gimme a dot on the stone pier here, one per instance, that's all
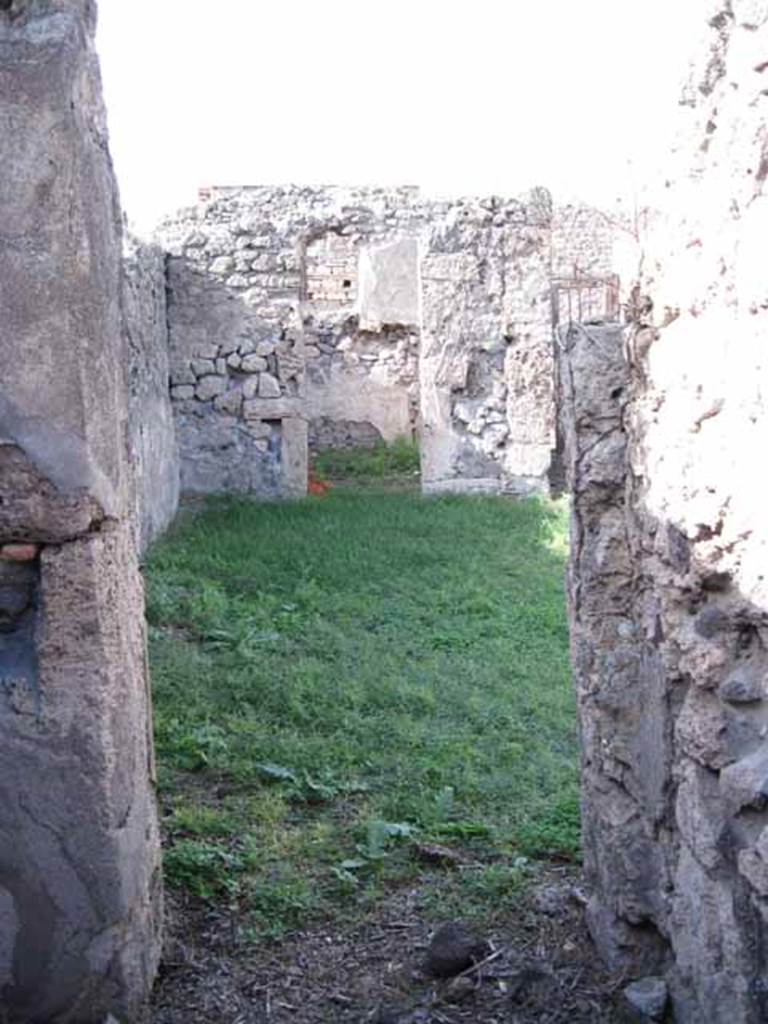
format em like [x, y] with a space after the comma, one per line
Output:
[665, 425]
[79, 855]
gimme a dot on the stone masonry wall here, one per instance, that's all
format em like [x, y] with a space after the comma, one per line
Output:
[583, 240]
[80, 885]
[362, 386]
[486, 373]
[388, 314]
[236, 351]
[668, 588]
[592, 250]
[152, 432]
[261, 281]
[360, 317]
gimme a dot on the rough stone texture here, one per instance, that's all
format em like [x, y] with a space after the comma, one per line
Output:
[584, 241]
[365, 377]
[668, 590]
[152, 432]
[649, 996]
[372, 307]
[79, 851]
[452, 949]
[486, 368]
[236, 343]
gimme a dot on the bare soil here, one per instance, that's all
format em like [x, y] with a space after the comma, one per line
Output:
[542, 967]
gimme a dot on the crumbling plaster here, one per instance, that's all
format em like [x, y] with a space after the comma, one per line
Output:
[402, 316]
[668, 591]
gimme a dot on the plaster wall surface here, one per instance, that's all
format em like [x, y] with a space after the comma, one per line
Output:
[668, 591]
[79, 850]
[154, 452]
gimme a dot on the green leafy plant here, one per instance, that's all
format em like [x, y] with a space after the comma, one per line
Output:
[399, 457]
[330, 675]
[202, 868]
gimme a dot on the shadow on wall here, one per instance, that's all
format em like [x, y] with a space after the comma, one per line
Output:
[237, 389]
[671, 665]
[151, 428]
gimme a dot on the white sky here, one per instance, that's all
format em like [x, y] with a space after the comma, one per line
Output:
[458, 96]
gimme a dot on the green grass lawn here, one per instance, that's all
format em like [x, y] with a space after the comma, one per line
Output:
[400, 457]
[339, 681]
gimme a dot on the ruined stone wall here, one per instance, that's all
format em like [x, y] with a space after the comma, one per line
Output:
[360, 313]
[594, 253]
[668, 588]
[263, 281]
[79, 852]
[362, 386]
[236, 350]
[583, 239]
[486, 369]
[152, 432]
[393, 316]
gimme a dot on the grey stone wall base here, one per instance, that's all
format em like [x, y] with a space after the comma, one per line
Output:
[80, 879]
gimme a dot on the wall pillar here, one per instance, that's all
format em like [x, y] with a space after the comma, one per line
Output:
[668, 588]
[79, 853]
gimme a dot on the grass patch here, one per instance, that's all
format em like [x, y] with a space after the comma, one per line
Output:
[398, 458]
[339, 680]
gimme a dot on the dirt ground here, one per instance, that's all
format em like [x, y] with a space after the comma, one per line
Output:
[540, 967]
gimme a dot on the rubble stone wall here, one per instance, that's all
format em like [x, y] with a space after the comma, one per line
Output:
[486, 366]
[668, 588]
[583, 240]
[261, 282]
[360, 314]
[152, 432]
[80, 885]
[362, 386]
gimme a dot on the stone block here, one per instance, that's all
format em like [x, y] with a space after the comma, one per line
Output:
[230, 402]
[237, 281]
[183, 374]
[294, 456]
[80, 892]
[253, 364]
[208, 387]
[269, 386]
[222, 266]
[271, 408]
[203, 367]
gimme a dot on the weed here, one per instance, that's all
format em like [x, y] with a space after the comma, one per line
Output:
[400, 457]
[204, 869]
[355, 675]
[556, 832]
[478, 892]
